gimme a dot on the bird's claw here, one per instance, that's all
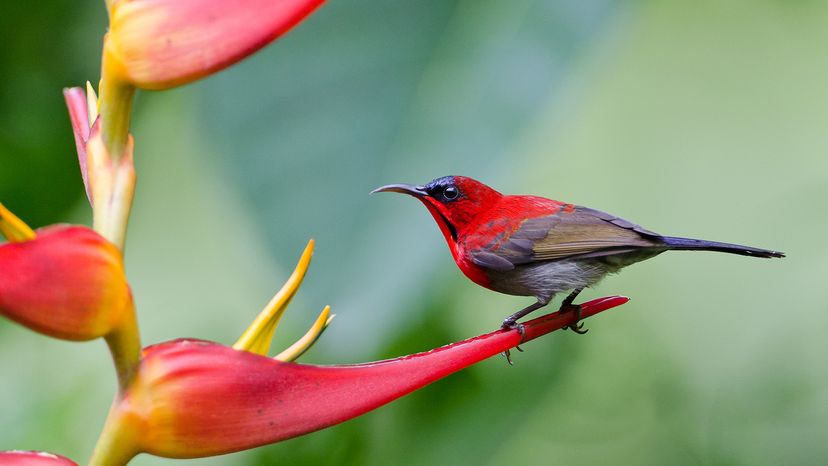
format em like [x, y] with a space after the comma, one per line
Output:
[508, 356]
[510, 325]
[577, 326]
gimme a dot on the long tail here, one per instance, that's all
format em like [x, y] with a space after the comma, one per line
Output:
[701, 245]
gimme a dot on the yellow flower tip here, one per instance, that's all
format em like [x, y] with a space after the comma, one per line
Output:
[92, 104]
[14, 229]
[257, 337]
[311, 336]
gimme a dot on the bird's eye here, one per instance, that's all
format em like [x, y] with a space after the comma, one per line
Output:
[451, 192]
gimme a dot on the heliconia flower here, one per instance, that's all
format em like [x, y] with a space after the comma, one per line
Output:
[33, 458]
[193, 398]
[158, 44]
[64, 281]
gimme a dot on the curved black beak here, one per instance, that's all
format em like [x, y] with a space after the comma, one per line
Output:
[416, 191]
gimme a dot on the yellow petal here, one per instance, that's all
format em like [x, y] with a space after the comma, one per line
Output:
[14, 229]
[258, 336]
[303, 344]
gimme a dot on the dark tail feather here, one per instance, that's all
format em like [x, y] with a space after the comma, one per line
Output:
[701, 245]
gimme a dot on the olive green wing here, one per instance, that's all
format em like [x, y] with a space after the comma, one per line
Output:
[580, 233]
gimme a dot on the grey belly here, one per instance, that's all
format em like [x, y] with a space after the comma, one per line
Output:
[544, 279]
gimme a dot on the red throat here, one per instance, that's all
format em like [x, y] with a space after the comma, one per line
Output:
[468, 267]
[454, 218]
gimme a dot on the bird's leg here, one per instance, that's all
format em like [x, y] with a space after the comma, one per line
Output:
[511, 323]
[567, 305]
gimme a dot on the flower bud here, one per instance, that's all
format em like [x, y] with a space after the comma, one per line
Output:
[158, 44]
[68, 282]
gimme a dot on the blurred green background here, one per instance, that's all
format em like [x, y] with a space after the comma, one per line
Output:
[697, 118]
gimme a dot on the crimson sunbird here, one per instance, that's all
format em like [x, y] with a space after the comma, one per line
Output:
[534, 246]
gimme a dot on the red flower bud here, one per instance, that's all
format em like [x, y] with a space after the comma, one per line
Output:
[68, 283]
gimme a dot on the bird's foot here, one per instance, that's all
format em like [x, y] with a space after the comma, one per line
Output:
[512, 325]
[577, 326]
[509, 324]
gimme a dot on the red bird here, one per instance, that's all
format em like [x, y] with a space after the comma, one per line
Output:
[533, 246]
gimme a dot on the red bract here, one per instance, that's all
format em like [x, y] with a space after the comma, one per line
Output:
[157, 44]
[68, 282]
[194, 398]
[33, 458]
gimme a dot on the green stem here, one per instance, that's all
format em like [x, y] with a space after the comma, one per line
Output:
[125, 345]
[117, 444]
[113, 185]
[116, 96]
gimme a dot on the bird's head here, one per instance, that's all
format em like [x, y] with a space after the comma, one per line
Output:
[454, 201]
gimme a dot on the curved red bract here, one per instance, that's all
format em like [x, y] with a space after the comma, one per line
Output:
[198, 398]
